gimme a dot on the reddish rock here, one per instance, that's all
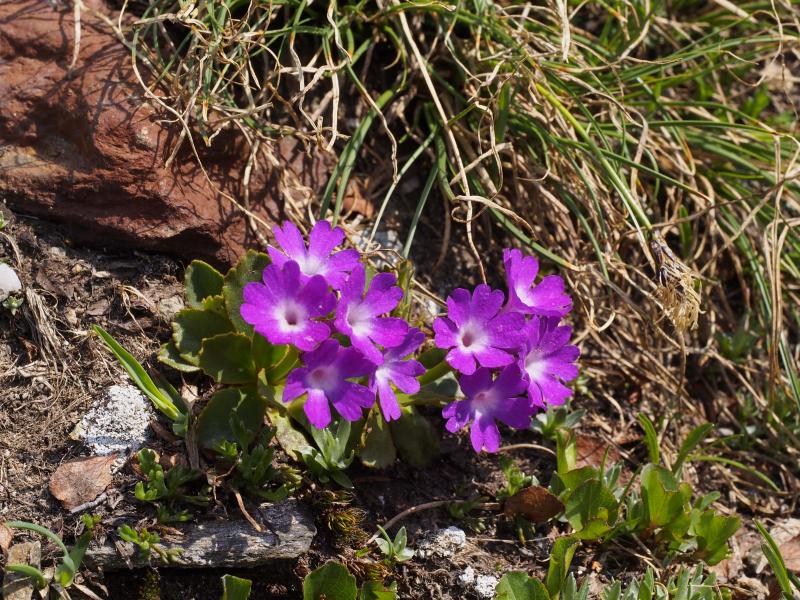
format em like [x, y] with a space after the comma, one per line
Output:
[89, 150]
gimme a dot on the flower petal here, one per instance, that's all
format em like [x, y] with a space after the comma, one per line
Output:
[493, 357]
[484, 434]
[317, 409]
[389, 331]
[322, 239]
[388, 401]
[458, 305]
[461, 361]
[486, 302]
[445, 332]
[291, 240]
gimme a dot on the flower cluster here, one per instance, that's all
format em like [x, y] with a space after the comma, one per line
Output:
[512, 353]
[314, 298]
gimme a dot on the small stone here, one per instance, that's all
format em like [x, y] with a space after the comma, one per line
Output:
[169, 307]
[485, 586]
[17, 586]
[120, 422]
[9, 281]
[467, 577]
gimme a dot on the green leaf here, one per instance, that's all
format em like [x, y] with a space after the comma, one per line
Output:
[330, 582]
[266, 355]
[518, 586]
[227, 358]
[249, 268]
[713, 532]
[191, 326]
[235, 588]
[560, 560]
[202, 280]
[775, 560]
[139, 376]
[665, 500]
[415, 438]
[374, 590]
[566, 451]
[213, 424]
[378, 450]
[593, 502]
[650, 439]
[292, 441]
[170, 356]
[35, 574]
[697, 435]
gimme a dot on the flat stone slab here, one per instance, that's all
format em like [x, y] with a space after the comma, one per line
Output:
[288, 530]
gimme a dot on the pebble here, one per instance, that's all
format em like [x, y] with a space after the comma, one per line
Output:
[443, 543]
[119, 422]
[9, 281]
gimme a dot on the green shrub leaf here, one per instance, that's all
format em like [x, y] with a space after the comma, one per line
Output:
[227, 358]
[378, 450]
[191, 326]
[518, 586]
[202, 280]
[414, 437]
[249, 268]
[213, 424]
[235, 588]
[330, 582]
[171, 356]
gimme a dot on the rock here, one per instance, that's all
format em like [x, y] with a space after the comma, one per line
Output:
[89, 150]
[9, 281]
[443, 543]
[288, 530]
[16, 586]
[119, 422]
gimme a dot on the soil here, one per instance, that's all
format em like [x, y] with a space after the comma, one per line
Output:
[52, 368]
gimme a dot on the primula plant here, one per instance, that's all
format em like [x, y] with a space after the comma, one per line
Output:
[311, 336]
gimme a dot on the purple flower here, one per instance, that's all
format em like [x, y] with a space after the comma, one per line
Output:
[474, 330]
[547, 298]
[357, 314]
[402, 373]
[488, 401]
[546, 360]
[324, 378]
[282, 308]
[318, 258]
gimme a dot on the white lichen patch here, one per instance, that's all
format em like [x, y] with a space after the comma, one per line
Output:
[443, 543]
[467, 577]
[119, 422]
[485, 586]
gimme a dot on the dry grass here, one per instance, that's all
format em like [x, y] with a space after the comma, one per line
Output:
[645, 150]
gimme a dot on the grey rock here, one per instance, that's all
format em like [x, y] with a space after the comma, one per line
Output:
[288, 530]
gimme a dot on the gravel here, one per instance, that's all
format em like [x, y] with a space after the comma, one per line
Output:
[119, 422]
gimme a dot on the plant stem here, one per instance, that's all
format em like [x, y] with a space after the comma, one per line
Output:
[434, 373]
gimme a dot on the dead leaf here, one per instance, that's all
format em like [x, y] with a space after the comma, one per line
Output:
[535, 503]
[355, 200]
[80, 481]
[6, 535]
[791, 554]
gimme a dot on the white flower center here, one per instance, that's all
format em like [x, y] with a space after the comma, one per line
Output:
[535, 365]
[472, 338]
[323, 378]
[484, 401]
[359, 319]
[311, 265]
[291, 316]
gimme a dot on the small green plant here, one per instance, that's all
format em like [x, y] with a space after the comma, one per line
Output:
[71, 558]
[147, 542]
[394, 550]
[333, 581]
[660, 512]
[12, 304]
[330, 461]
[252, 458]
[166, 489]
[785, 578]
[548, 423]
